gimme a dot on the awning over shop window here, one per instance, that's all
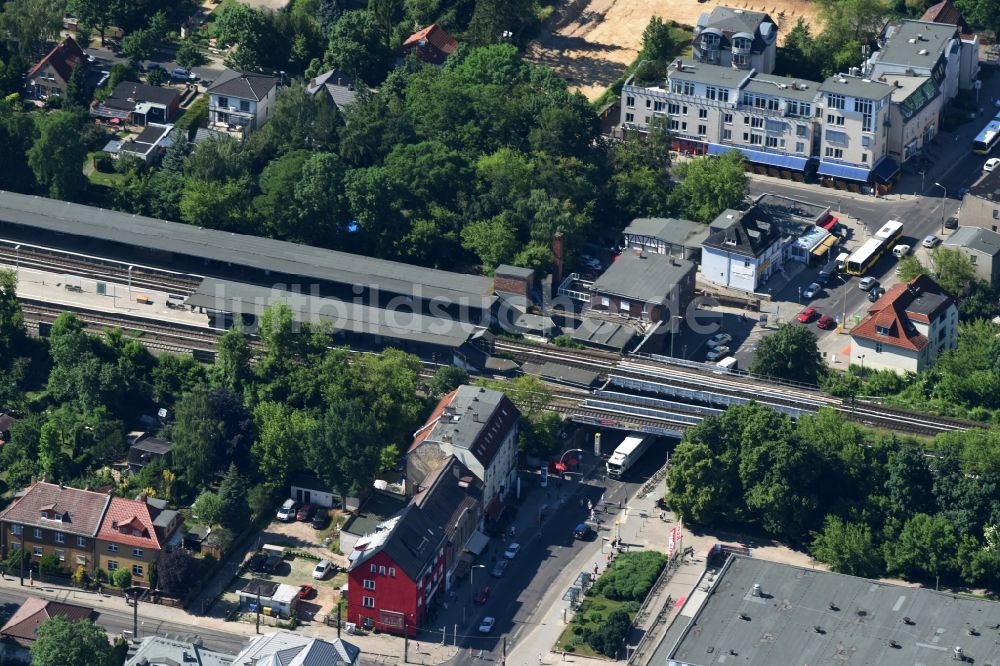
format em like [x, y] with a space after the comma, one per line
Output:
[843, 171]
[477, 543]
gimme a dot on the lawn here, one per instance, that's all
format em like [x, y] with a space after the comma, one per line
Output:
[588, 618]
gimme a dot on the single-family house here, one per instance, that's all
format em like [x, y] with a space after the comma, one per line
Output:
[240, 102]
[133, 535]
[982, 247]
[273, 598]
[666, 235]
[648, 287]
[338, 87]
[146, 449]
[284, 648]
[396, 572]
[51, 519]
[52, 73]
[19, 633]
[432, 44]
[139, 104]
[907, 328]
[479, 427]
[149, 146]
[160, 651]
[737, 38]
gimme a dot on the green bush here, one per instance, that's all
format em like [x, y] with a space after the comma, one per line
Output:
[608, 637]
[49, 564]
[631, 576]
[578, 629]
[104, 163]
[121, 578]
[196, 114]
[595, 617]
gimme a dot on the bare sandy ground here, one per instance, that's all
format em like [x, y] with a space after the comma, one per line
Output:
[591, 42]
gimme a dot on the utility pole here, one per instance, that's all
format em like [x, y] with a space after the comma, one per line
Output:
[257, 627]
[338, 619]
[133, 596]
[406, 641]
[22, 555]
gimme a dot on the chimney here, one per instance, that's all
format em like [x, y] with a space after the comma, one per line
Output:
[558, 256]
[756, 590]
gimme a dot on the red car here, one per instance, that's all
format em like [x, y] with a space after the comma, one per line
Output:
[307, 592]
[305, 512]
[826, 322]
[807, 315]
[483, 595]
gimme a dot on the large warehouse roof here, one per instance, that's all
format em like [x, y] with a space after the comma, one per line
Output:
[800, 617]
[238, 297]
[241, 250]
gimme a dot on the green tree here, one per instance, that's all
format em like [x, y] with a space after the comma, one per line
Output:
[909, 483]
[209, 508]
[17, 134]
[492, 18]
[196, 434]
[232, 369]
[953, 270]
[174, 376]
[926, 546]
[657, 40]
[848, 548]
[12, 331]
[138, 45]
[641, 167]
[981, 13]
[282, 436]
[344, 449]
[791, 354]
[121, 578]
[177, 572]
[609, 636]
[446, 379]
[188, 55]
[711, 185]
[29, 24]
[78, 93]
[234, 501]
[909, 268]
[216, 205]
[356, 47]
[60, 641]
[245, 27]
[58, 155]
[97, 13]
[156, 77]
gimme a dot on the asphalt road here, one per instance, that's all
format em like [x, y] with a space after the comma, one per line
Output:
[115, 621]
[105, 59]
[515, 598]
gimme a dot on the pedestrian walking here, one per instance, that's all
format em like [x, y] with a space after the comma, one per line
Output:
[539, 657]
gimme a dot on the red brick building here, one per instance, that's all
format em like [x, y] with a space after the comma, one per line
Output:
[396, 572]
[433, 44]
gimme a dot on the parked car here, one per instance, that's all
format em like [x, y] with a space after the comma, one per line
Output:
[499, 569]
[991, 164]
[717, 353]
[305, 512]
[320, 520]
[807, 315]
[307, 592]
[951, 223]
[482, 596]
[512, 551]
[486, 626]
[182, 74]
[719, 339]
[272, 563]
[876, 294]
[257, 562]
[582, 531]
[901, 250]
[590, 262]
[811, 291]
[826, 322]
[867, 283]
[323, 568]
[931, 241]
[287, 511]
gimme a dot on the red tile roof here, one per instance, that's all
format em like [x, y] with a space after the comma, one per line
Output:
[945, 12]
[893, 314]
[22, 627]
[433, 44]
[428, 426]
[131, 516]
[63, 59]
[69, 510]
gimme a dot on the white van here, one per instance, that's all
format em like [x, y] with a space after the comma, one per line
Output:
[287, 511]
[901, 251]
[728, 364]
[842, 260]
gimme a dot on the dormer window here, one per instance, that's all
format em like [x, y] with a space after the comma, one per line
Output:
[882, 330]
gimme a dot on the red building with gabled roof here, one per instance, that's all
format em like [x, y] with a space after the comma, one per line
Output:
[133, 535]
[433, 44]
[51, 75]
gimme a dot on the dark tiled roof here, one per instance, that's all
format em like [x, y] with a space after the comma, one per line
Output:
[129, 93]
[730, 22]
[243, 85]
[473, 418]
[946, 12]
[63, 58]
[749, 235]
[433, 44]
[919, 300]
[447, 493]
[81, 510]
[339, 86]
[265, 588]
[23, 625]
[648, 278]
[409, 539]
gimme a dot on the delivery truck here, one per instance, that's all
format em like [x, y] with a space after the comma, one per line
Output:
[627, 454]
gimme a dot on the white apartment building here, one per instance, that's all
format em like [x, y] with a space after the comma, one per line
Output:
[920, 48]
[737, 38]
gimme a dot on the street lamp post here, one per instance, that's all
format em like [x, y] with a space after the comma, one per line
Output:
[673, 332]
[862, 357]
[945, 190]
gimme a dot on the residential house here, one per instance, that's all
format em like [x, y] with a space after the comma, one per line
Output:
[51, 519]
[378, 507]
[133, 535]
[981, 204]
[946, 12]
[982, 247]
[21, 630]
[139, 104]
[743, 253]
[240, 102]
[432, 45]
[146, 449]
[396, 572]
[148, 147]
[854, 142]
[159, 651]
[921, 48]
[666, 235]
[52, 73]
[310, 489]
[284, 648]
[338, 87]
[711, 109]
[274, 598]
[650, 287]
[907, 328]
[451, 496]
[479, 426]
[737, 38]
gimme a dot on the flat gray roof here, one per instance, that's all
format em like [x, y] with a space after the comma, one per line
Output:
[799, 89]
[854, 86]
[604, 333]
[976, 238]
[560, 372]
[670, 230]
[714, 75]
[929, 42]
[249, 299]
[648, 278]
[241, 250]
[810, 616]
